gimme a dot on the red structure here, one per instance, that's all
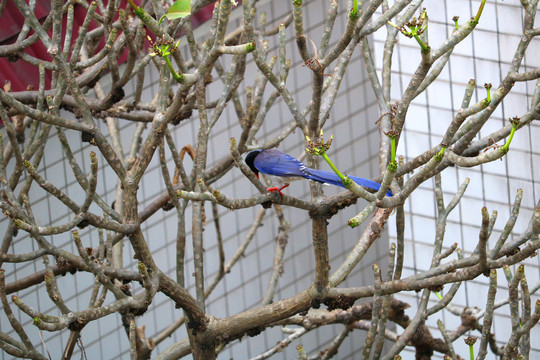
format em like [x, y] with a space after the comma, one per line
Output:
[22, 74]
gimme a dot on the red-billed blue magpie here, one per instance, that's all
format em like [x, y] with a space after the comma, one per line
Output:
[284, 169]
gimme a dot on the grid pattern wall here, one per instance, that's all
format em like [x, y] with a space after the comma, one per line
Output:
[355, 146]
[484, 56]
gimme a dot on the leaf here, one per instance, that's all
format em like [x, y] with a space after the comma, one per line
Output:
[179, 9]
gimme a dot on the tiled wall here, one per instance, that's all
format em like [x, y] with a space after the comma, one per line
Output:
[352, 121]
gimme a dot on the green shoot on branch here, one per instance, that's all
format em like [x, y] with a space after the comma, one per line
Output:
[455, 19]
[301, 352]
[354, 11]
[440, 154]
[320, 149]
[139, 12]
[470, 341]
[392, 134]
[515, 122]
[163, 49]
[479, 13]
[416, 28]
[488, 87]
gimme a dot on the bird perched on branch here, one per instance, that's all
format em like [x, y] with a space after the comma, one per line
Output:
[284, 168]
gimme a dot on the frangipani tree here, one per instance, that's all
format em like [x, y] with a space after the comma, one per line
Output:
[87, 97]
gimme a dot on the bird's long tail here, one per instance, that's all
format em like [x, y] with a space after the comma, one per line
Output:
[331, 178]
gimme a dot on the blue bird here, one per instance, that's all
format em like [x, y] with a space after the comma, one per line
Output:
[284, 169]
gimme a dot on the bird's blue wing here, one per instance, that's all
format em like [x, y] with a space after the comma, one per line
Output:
[275, 162]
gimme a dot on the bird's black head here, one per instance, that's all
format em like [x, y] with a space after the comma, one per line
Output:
[250, 161]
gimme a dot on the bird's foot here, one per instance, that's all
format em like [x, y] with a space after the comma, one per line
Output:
[276, 189]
